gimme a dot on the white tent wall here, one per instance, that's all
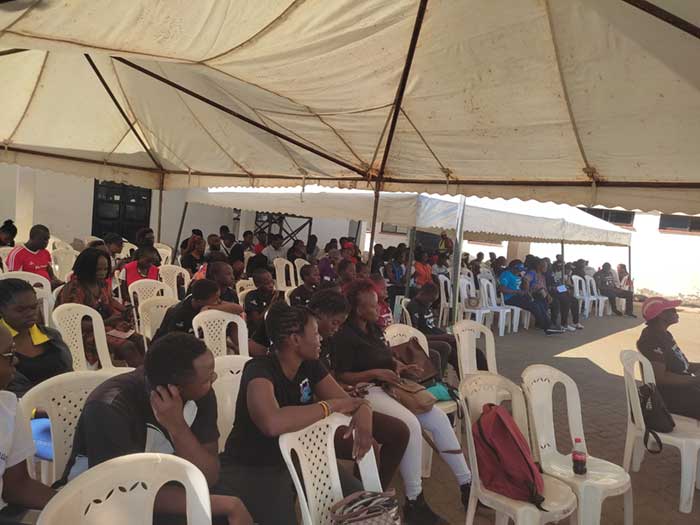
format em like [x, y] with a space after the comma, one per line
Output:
[64, 204]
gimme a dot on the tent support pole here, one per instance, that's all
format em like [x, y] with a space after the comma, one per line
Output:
[239, 116]
[411, 258]
[629, 260]
[666, 16]
[457, 259]
[396, 107]
[126, 119]
[563, 258]
[160, 206]
[179, 231]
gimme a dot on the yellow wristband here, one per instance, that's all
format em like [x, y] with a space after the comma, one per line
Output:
[326, 408]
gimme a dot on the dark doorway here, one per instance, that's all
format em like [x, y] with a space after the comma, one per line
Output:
[119, 208]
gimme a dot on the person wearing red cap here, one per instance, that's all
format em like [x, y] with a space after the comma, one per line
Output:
[678, 379]
[348, 252]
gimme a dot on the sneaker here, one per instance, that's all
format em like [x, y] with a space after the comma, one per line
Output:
[466, 490]
[552, 331]
[417, 512]
[571, 328]
[579, 326]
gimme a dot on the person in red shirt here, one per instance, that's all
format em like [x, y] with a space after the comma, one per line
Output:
[262, 242]
[142, 267]
[33, 257]
[348, 252]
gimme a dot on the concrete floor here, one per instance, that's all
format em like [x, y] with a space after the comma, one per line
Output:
[591, 358]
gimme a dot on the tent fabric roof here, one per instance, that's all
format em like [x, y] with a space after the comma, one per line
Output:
[504, 99]
[485, 219]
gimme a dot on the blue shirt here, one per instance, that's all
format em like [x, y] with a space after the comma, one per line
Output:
[511, 281]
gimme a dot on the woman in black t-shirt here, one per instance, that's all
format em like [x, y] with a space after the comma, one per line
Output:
[277, 396]
[677, 378]
[360, 354]
[193, 255]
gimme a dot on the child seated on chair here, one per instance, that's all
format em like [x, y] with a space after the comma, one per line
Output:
[277, 395]
[18, 491]
[423, 319]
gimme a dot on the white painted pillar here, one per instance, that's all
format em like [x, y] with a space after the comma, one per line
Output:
[517, 250]
[247, 222]
[24, 202]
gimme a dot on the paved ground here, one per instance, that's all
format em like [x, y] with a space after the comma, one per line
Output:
[591, 358]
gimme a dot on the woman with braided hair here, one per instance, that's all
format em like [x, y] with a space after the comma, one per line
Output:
[284, 391]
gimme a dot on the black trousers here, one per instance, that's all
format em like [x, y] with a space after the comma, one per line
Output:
[682, 400]
[563, 304]
[614, 293]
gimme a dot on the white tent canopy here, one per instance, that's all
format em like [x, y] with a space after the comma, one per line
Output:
[576, 101]
[485, 219]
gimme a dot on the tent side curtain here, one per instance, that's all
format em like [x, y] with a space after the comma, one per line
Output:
[485, 219]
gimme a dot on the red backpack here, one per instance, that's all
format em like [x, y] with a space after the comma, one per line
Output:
[505, 461]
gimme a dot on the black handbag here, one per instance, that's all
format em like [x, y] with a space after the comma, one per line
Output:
[657, 418]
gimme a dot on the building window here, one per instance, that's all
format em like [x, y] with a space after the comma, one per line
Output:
[682, 223]
[393, 228]
[621, 217]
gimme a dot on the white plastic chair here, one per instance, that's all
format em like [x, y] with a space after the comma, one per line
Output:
[603, 478]
[315, 449]
[151, 312]
[284, 268]
[468, 276]
[560, 501]
[41, 286]
[63, 260]
[685, 436]
[298, 265]
[4, 252]
[581, 293]
[288, 295]
[467, 333]
[229, 369]
[244, 284]
[405, 317]
[214, 325]
[165, 255]
[488, 300]
[124, 489]
[91, 238]
[396, 334]
[518, 314]
[601, 300]
[445, 286]
[68, 318]
[164, 248]
[144, 289]
[127, 248]
[62, 397]
[56, 293]
[242, 295]
[169, 273]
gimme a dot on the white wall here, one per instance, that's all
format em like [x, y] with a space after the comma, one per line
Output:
[206, 218]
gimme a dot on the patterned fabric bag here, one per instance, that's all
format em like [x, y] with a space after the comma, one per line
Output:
[367, 508]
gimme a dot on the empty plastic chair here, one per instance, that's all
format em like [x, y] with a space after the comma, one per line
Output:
[145, 289]
[151, 312]
[124, 489]
[214, 327]
[63, 260]
[601, 300]
[285, 274]
[488, 300]
[68, 319]
[581, 293]
[467, 333]
[603, 478]
[319, 487]
[685, 436]
[560, 501]
[228, 382]
[169, 274]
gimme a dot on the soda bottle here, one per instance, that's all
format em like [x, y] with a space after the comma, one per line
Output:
[578, 457]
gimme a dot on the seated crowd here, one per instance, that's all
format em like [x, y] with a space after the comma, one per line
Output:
[321, 353]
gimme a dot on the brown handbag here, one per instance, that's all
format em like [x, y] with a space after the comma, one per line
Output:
[411, 395]
[412, 353]
[367, 508]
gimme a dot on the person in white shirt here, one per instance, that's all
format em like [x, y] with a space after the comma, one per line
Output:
[16, 444]
[274, 250]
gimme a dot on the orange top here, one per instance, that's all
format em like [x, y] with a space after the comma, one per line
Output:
[424, 274]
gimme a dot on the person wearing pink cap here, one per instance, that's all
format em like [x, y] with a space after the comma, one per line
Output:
[678, 379]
